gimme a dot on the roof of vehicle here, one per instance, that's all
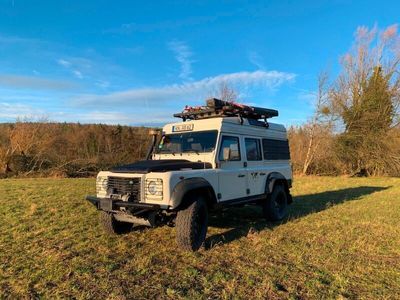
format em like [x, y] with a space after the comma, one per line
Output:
[233, 125]
[228, 117]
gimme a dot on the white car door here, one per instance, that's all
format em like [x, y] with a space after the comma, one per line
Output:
[256, 174]
[232, 174]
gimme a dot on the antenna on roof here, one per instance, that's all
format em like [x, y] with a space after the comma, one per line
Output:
[218, 108]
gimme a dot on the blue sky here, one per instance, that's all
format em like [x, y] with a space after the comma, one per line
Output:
[132, 62]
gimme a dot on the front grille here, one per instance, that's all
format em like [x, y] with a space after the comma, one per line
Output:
[124, 186]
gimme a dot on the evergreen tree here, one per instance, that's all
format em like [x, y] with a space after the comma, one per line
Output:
[367, 122]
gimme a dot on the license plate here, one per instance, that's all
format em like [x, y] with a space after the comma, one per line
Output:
[182, 127]
[106, 204]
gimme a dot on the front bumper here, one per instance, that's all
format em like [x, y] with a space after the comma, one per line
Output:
[108, 204]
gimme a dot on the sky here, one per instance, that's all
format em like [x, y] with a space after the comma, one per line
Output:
[138, 62]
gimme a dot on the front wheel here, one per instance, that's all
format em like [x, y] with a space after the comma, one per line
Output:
[191, 225]
[111, 225]
[275, 205]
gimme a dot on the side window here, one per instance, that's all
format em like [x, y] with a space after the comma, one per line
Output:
[276, 149]
[230, 149]
[253, 149]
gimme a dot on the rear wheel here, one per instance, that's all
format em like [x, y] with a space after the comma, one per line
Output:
[191, 225]
[111, 225]
[275, 207]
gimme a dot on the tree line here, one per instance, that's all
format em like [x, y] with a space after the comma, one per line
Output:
[67, 149]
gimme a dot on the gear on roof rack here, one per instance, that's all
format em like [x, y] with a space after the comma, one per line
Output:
[218, 108]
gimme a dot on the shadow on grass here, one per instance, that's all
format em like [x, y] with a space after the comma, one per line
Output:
[241, 220]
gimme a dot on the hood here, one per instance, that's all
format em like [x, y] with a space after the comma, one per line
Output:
[162, 165]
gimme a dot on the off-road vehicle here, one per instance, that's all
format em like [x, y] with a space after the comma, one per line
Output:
[219, 155]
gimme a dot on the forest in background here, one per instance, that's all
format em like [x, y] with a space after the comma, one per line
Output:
[38, 149]
[67, 149]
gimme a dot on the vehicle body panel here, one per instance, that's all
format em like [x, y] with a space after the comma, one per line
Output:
[229, 179]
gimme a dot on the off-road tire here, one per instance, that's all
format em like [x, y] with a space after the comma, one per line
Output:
[191, 225]
[112, 226]
[275, 206]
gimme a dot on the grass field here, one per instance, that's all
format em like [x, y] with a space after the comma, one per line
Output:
[342, 240]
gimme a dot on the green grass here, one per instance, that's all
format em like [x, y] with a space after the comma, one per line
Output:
[341, 241]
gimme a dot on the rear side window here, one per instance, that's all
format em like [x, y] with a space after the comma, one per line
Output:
[231, 143]
[253, 149]
[276, 149]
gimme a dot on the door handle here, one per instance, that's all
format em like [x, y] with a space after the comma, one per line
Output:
[241, 175]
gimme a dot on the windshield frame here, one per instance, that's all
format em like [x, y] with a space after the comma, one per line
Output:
[159, 151]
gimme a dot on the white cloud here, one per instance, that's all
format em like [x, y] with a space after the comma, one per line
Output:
[151, 106]
[9, 39]
[78, 74]
[11, 112]
[64, 63]
[183, 55]
[190, 91]
[256, 60]
[32, 82]
[113, 117]
[75, 65]
[129, 28]
[102, 84]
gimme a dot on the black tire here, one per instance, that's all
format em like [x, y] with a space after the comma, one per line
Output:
[275, 206]
[112, 226]
[191, 225]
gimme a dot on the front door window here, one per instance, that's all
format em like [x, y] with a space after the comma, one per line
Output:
[230, 150]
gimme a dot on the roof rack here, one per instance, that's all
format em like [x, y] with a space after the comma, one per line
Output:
[219, 108]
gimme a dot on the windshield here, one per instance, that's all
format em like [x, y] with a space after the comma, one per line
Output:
[203, 141]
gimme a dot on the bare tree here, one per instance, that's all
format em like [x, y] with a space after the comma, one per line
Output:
[372, 48]
[318, 123]
[224, 91]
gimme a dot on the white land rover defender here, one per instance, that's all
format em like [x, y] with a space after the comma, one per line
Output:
[222, 154]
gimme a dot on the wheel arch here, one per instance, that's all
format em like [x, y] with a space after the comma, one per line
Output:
[277, 178]
[180, 197]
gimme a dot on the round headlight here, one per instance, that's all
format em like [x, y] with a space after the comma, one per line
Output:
[152, 187]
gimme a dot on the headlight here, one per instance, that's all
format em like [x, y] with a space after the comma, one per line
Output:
[101, 183]
[154, 188]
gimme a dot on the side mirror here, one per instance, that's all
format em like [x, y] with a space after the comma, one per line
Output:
[226, 154]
